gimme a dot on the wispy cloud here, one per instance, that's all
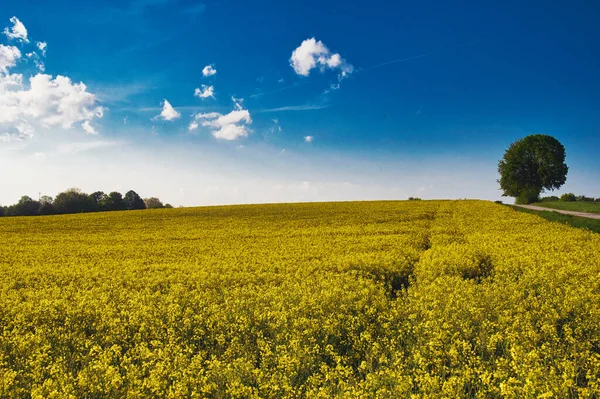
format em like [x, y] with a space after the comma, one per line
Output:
[119, 93]
[403, 59]
[74, 148]
[276, 90]
[306, 107]
[194, 108]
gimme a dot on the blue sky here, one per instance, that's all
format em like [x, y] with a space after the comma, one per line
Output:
[310, 101]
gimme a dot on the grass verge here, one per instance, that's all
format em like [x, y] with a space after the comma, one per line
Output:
[591, 207]
[574, 221]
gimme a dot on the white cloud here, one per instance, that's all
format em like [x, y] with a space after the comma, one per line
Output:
[231, 126]
[168, 112]
[205, 92]
[309, 139]
[276, 127]
[45, 103]
[334, 61]
[209, 70]
[88, 128]
[19, 132]
[238, 102]
[308, 107]
[41, 100]
[8, 57]
[17, 31]
[74, 148]
[231, 132]
[332, 87]
[36, 60]
[312, 53]
[43, 46]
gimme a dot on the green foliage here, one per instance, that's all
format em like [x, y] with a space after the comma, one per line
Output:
[46, 205]
[583, 198]
[574, 221]
[551, 198]
[153, 203]
[133, 201]
[568, 197]
[414, 199]
[75, 201]
[423, 299]
[530, 165]
[72, 201]
[168, 206]
[98, 199]
[528, 196]
[26, 207]
[114, 202]
[498, 202]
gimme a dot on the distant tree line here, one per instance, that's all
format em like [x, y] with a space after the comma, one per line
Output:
[569, 197]
[75, 201]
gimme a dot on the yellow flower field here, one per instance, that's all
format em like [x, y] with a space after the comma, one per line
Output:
[418, 299]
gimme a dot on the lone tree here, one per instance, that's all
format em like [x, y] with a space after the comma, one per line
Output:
[531, 165]
[133, 201]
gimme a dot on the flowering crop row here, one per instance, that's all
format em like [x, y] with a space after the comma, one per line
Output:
[413, 299]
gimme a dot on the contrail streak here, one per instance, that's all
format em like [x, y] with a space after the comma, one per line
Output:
[403, 59]
[424, 54]
[276, 90]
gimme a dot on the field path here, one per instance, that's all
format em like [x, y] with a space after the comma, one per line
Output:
[572, 213]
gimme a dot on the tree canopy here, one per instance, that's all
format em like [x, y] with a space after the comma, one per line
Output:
[133, 201]
[74, 200]
[153, 203]
[531, 165]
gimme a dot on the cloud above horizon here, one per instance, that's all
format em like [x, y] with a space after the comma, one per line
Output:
[17, 31]
[205, 92]
[42, 101]
[231, 126]
[9, 55]
[168, 113]
[209, 70]
[312, 54]
[43, 46]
